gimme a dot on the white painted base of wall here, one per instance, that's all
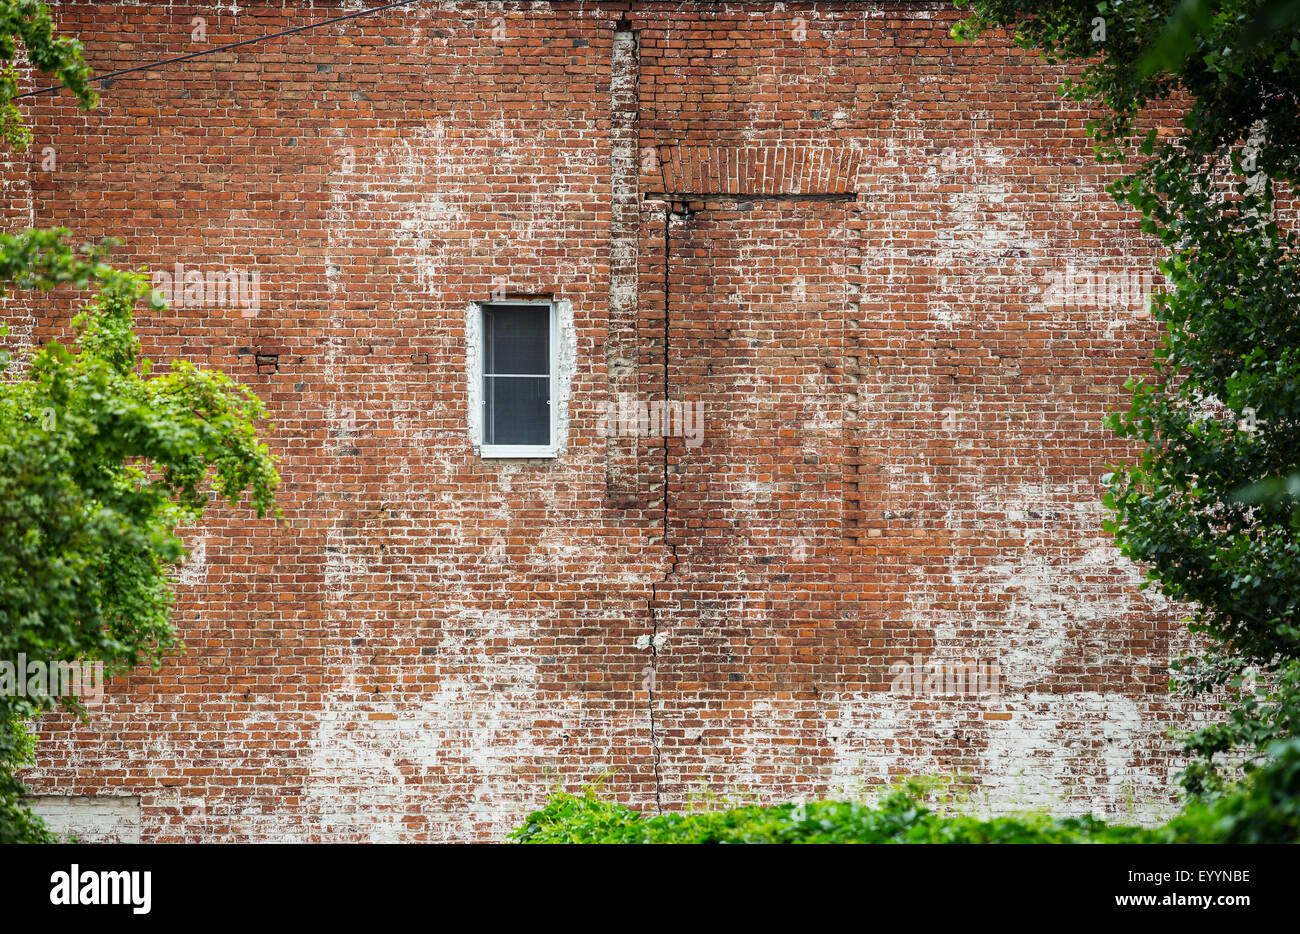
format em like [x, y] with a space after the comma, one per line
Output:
[91, 818]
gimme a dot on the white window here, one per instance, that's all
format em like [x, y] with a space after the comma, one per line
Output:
[519, 373]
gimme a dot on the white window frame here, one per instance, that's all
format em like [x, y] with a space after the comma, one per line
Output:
[553, 407]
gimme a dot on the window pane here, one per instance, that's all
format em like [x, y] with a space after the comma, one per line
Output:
[516, 410]
[517, 339]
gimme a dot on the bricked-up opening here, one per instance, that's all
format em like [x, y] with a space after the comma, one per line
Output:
[621, 347]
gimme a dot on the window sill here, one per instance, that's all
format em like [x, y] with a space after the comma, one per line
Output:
[517, 450]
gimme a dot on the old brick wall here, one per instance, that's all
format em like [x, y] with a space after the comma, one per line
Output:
[838, 232]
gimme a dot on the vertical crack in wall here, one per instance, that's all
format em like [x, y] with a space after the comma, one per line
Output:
[669, 544]
[672, 548]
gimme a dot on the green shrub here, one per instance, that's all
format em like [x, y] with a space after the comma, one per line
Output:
[1262, 808]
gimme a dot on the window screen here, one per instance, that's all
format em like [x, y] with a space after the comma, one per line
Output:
[517, 374]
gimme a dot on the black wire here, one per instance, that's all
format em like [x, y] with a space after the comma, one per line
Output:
[224, 48]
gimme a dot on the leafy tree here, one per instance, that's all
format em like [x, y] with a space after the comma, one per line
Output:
[101, 460]
[30, 22]
[1210, 504]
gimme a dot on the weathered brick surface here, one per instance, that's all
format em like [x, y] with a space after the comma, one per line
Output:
[828, 224]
